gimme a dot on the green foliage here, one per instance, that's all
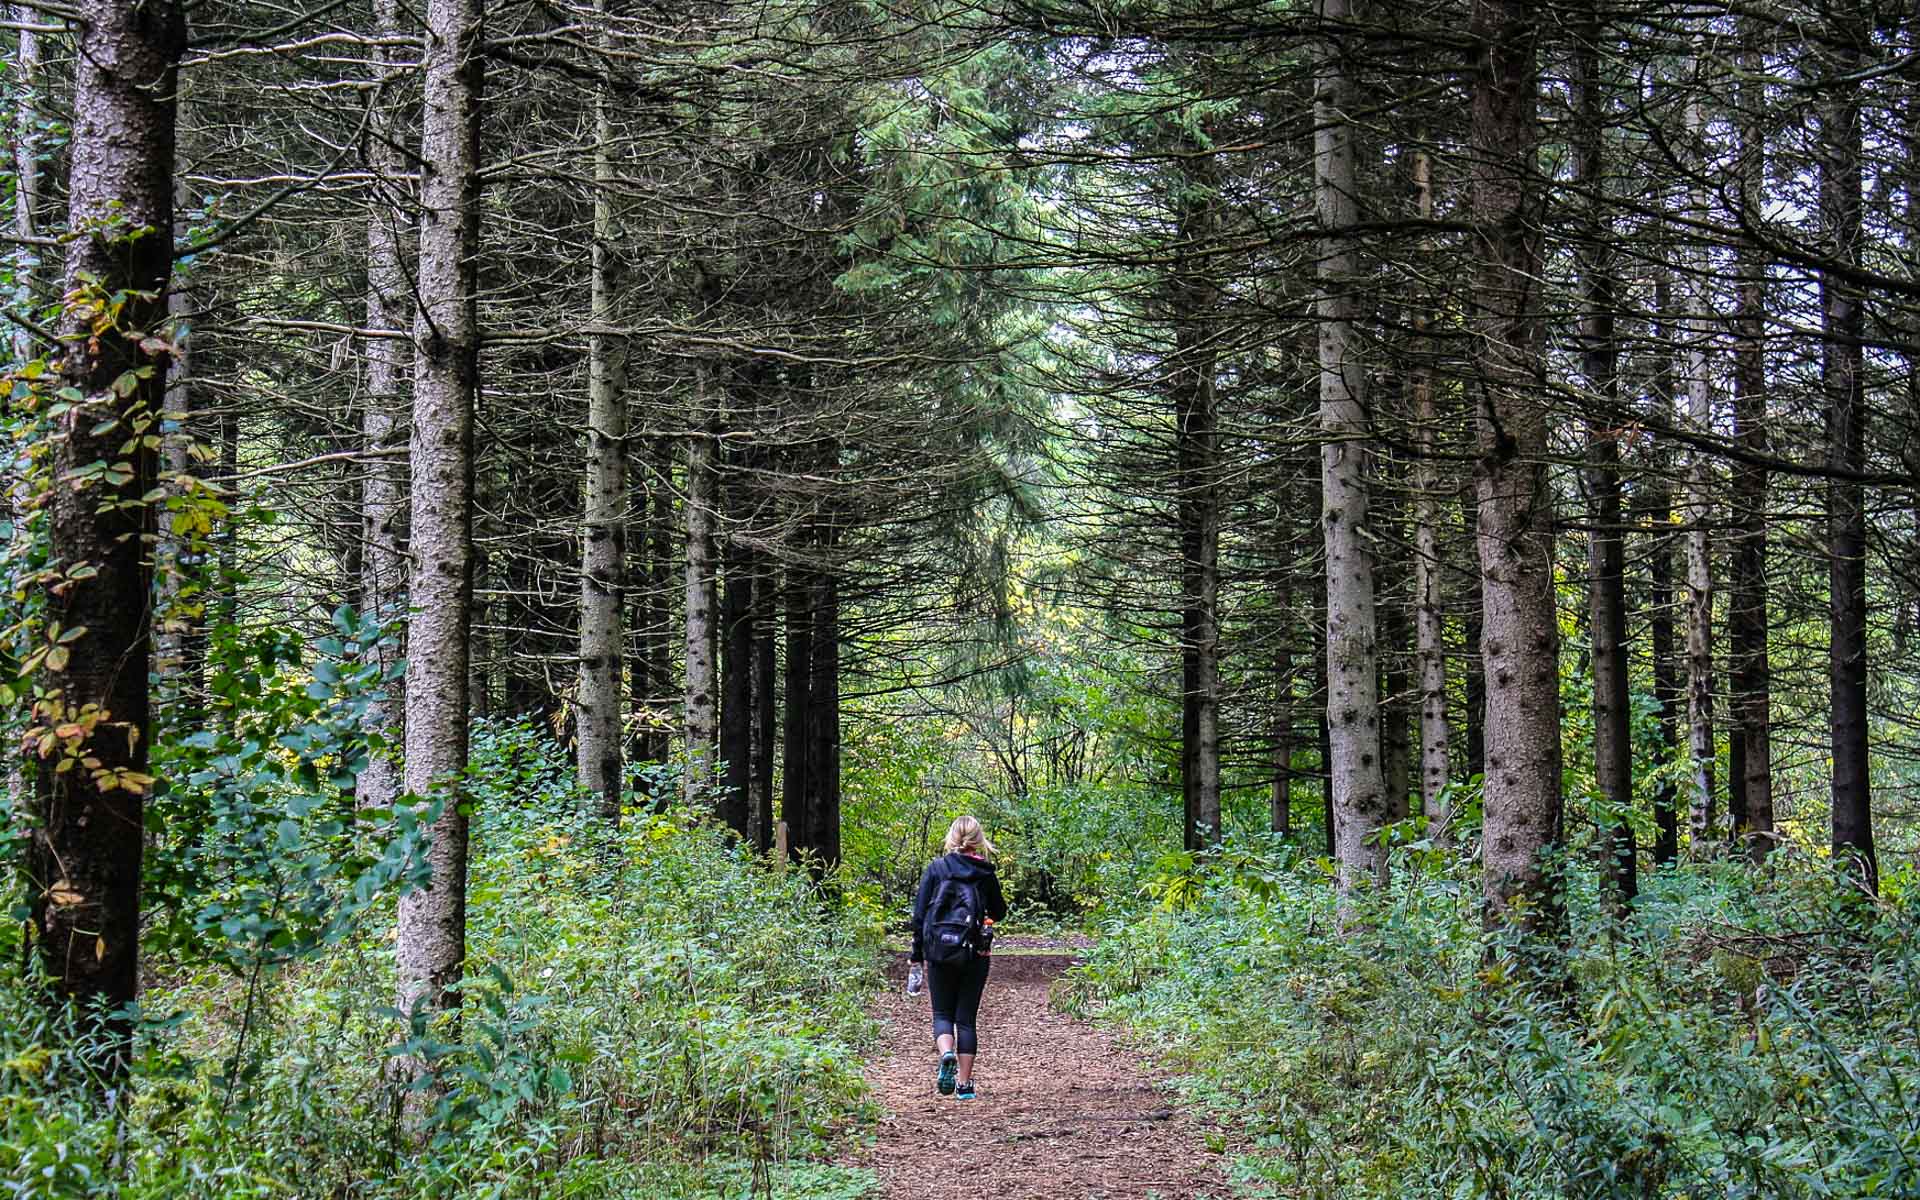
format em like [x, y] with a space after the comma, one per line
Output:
[1050, 754]
[1743, 1037]
[649, 1010]
[259, 856]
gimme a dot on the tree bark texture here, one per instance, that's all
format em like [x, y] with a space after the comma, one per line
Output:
[765, 691]
[1393, 578]
[1668, 693]
[797, 766]
[1666, 670]
[433, 920]
[1748, 666]
[179, 615]
[1322, 727]
[83, 863]
[737, 707]
[482, 660]
[27, 273]
[385, 425]
[1197, 431]
[1430, 652]
[1280, 801]
[823, 806]
[1353, 696]
[1519, 638]
[599, 736]
[1474, 738]
[655, 691]
[1703, 823]
[25, 133]
[1842, 377]
[1606, 551]
[702, 512]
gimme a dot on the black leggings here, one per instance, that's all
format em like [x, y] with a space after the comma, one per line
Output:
[956, 989]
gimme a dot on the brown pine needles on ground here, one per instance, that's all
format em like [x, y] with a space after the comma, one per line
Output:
[1064, 1113]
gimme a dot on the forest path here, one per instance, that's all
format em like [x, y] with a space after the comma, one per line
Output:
[1064, 1113]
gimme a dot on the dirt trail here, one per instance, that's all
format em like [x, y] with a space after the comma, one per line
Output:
[1062, 1114]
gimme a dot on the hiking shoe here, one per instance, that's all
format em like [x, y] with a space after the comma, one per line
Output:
[949, 1067]
[963, 1091]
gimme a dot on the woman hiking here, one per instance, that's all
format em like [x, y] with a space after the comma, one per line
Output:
[958, 901]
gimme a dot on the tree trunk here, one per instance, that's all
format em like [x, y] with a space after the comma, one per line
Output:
[25, 129]
[1475, 737]
[655, 694]
[1666, 668]
[27, 281]
[1281, 800]
[1393, 616]
[765, 678]
[481, 660]
[1323, 729]
[823, 806]
[1430, 651]
[1200, 628]
[384, 420]
[1667, 691]
[179, 622]
[1703, 823]
[1519, 639]
[702, 703]
[1843, 325]
[83, 864]
[796, 791]
[598, 734]
[1396, 658]
[227, 558]
[737, 710]
[1606, 552]
[1196, 421]
[432, 938]
[1353, 697]
[1747, 602]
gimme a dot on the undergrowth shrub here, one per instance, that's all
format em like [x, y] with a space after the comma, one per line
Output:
[1747, 1034]
[649, 1010]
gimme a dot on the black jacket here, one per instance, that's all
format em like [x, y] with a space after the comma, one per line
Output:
[967, 869]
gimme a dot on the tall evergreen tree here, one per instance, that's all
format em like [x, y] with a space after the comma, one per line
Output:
[432, 942]
[1520, 631]
[92, 709]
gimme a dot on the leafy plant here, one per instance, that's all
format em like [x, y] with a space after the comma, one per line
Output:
[1739, 1039]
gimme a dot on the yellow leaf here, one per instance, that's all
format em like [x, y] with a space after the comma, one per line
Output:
[28, 1062]
[100, 948]
[62, 894]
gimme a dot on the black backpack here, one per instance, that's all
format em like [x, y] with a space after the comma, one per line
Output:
[950, 928]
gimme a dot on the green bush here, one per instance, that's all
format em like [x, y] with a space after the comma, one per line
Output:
[649, 1010]
[1748, 1035]
[1062, 763]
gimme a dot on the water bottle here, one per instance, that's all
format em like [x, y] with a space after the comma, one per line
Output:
[916, 979]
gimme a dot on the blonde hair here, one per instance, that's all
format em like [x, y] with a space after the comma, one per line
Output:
[966, 836]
